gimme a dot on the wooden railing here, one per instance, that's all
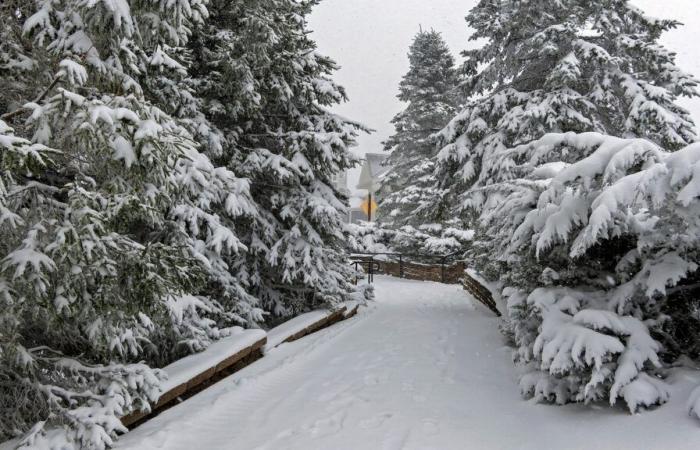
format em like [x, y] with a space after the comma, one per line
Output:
[439, 268]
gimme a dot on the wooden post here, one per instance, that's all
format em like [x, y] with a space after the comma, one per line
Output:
[369, 207]
[400, 266]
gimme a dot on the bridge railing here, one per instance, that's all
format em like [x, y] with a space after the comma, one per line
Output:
[439, 268]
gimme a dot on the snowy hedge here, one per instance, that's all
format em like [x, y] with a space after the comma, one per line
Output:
[616, 239]
[576, 168]
[426, 240]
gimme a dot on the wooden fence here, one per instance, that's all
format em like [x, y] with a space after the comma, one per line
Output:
[400, 266]
[442, 273]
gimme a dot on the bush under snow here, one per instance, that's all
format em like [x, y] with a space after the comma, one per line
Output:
[616, 238]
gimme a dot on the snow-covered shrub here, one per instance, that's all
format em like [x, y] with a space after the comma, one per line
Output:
[591, 234]
[427, 240]
[366, 237]
[431, 240]
[616, 238]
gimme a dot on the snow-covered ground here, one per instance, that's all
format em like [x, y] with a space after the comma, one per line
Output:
[422, 368]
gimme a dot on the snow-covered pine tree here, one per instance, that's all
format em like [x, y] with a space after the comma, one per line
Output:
[614, 237]
[409, 195]
[581, 324]
[559, 66]
[266, 90]
[109, 215]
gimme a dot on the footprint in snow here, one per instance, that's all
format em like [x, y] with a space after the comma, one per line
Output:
[376, 421]
[327, 426]
[430, 427]
[373, 380]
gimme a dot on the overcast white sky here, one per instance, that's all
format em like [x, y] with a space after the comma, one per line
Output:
[370, 40]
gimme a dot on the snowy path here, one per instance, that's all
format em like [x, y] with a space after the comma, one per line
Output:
[420, 369]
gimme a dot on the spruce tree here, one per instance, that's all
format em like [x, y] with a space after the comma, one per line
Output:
[582, 290]
[266, 90]
[409, 195]
[557, 67]
[109, 215]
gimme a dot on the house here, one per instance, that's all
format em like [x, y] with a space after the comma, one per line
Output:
[374, 168]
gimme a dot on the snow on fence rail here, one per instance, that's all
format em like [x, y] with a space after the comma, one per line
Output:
[194, 373]
[442, 273]
[399, 265]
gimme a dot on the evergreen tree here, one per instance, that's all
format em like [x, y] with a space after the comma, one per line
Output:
[109, 215]
[559, 66]
[122, 241]
[266, 89]
[408, 194]
[580, 307]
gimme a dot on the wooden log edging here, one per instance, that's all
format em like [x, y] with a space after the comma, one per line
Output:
[352, 312]
[230, 365]
[480, 293]
[204, 379]
[333, 318]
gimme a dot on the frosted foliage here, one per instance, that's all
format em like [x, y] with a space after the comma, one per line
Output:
[160, 192]
[570, 66]
[267, 113]
[408, 194]
[598, 338]
[368, 238]
[428, 240]
[576, 169]
[117, 232]
[67, 262]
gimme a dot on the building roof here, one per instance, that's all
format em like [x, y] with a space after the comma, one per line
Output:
[376, 161]
[372, 171]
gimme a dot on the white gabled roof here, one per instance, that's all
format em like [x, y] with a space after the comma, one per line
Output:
[375, 161]
[373, 170]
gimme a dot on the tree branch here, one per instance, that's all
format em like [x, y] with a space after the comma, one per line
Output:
[43, 95]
